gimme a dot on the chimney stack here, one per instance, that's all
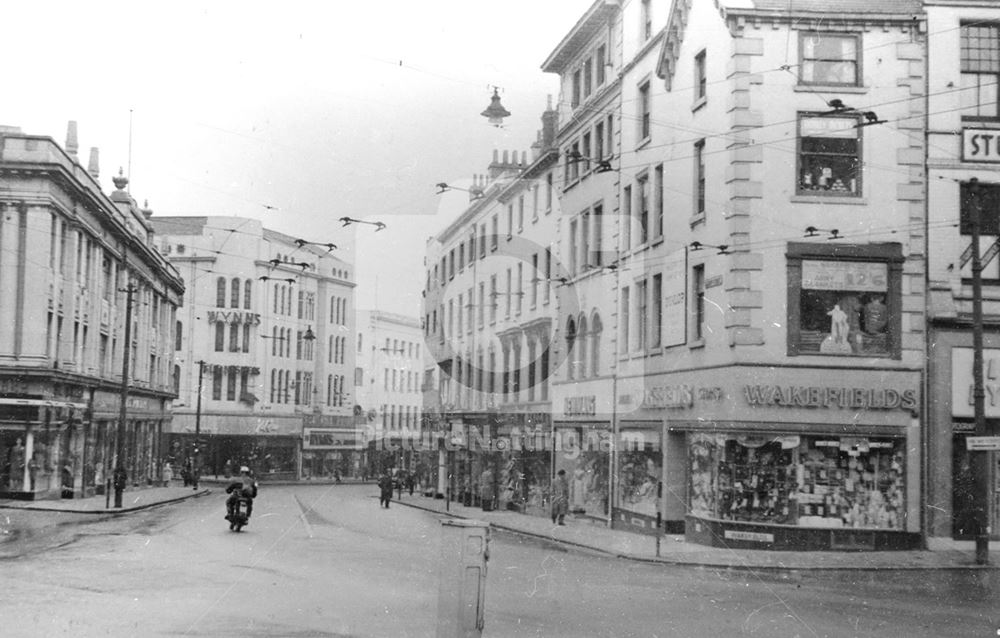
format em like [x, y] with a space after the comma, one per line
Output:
[71, 144]
[93, 166]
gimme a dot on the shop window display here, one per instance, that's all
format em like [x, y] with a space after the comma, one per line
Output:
[807, 481]
[842, 308]
[638, 476]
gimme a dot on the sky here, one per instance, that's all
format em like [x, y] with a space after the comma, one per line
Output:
[294, 113]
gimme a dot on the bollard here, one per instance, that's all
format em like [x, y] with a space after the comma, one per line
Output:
[465, 548]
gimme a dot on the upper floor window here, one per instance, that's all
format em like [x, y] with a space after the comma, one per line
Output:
[247, 287]
[701, 76]
[646, 20]
[577, 87]
[828, 58]
[220, 292]
[989, 225]
[234, 301]
[980, 51]
[844, 299]
[699, 178]
[644, 111]
[600, 60]
[829, 155]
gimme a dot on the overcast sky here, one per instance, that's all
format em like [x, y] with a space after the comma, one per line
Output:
[319, 109]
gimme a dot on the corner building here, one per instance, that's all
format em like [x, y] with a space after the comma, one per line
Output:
[68, 253]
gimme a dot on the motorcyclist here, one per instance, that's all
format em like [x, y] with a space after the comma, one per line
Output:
[242, 487]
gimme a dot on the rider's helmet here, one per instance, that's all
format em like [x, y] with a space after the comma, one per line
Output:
[244, 469]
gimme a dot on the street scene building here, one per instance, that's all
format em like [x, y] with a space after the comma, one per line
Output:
[387, 383]
[263, 362]
[74, 264]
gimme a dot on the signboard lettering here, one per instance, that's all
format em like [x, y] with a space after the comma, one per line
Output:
[981, 145]
[756, 537]
[585, 405]
[233, 316]
[674, 291]
[827, 397]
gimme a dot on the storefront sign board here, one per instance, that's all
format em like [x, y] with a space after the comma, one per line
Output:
[961, 382]
[982, 443]
[981, 145]
[757, 537]
[674, 320]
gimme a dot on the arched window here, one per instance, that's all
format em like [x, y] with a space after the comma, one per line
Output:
[234, 300]
[220, 337]
[246, 294]
[274, 307]
[595, 345]
[580, 360]
[178, 335]
[220, 292]
[333, 310]
[273, 373]
[281, 305]
[246, 337]
[281, 386]
[570, 347]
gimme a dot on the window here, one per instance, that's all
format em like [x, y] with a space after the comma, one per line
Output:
[596, 254]
[493, 298]
[231, 386]
[247, 285]
[548, 192]
[599, 141]
[548, 276]
[698, 309]
[520, 213]
[585, 240]
[576, 88]
[461, 256]
[534, 280]
[595, 346]
[829, 58]
[980, 66]
[699, 178]
[220, 292]
[534, 203]
[520, 286]
[625, 323]
[246, 337]
[178, 336]
[656, 308]
[600, 60]
[627, 218]
[644, 108]
[220, 337]
[829, 155]
[844, 300]
[509, 291]
[658, 201]
[645, 20]
[234, 301]
[572, 248]
[482, 241]
[588, 72]
[217, 384]
[481, 308]
[642, 203]
[571, 350]
[989, 224]
[700, 74]
[496, 231]
[585, 152]
[641, 315]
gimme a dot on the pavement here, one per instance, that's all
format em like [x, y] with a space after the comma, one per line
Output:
[580, 533]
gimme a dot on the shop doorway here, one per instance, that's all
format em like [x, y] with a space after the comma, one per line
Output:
[963, 492]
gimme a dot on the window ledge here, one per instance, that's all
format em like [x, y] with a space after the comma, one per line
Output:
[697, 219]
[830, 88]
[644, 142]
[700, 102]
[828, 199]
[696, 343]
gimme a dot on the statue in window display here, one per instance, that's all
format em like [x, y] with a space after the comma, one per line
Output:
[876, 316]
[836, 342]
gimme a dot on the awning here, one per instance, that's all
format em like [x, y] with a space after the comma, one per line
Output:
[42, 403]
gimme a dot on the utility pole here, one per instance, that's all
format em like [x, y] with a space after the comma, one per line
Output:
[120, 474]
[196, 464]
[979, 458]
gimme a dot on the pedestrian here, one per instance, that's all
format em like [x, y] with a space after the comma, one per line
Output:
[385, 488]
[168, 474]
[560, 498]
[409, 482]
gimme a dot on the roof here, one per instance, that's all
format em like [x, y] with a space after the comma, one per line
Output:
[840, 7]
[178, 225]
[591, 23]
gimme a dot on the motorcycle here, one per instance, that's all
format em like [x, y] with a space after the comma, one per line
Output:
[238, 518]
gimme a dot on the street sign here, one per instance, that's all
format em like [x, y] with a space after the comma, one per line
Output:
[982, 443]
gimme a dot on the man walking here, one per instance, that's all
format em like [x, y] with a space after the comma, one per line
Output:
[560, 498]
[385, 490]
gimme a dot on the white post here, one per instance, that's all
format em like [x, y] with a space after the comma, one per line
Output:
[462, 578]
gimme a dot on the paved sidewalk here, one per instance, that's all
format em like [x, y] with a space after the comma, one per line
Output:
[133, 499]
[586, 534]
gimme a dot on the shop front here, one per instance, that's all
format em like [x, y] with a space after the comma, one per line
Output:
[146, 418]
[517, 463]
[581, 446]
[332, 447]
[792, 458]
[271, 446]
[954, 467]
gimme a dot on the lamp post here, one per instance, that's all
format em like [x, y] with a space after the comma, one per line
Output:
[120, 474]
[196, 463]
[979, 459]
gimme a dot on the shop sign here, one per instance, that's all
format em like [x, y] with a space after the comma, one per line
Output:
[674, 291]
[826, 397]
[981, 145]
[845, 275]
[668, 396]
[13, 386]
[756, 537]
[251, 370]
[331, 439]
[982, 443]
[233, 316]
[962, 382]
[581, 406]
